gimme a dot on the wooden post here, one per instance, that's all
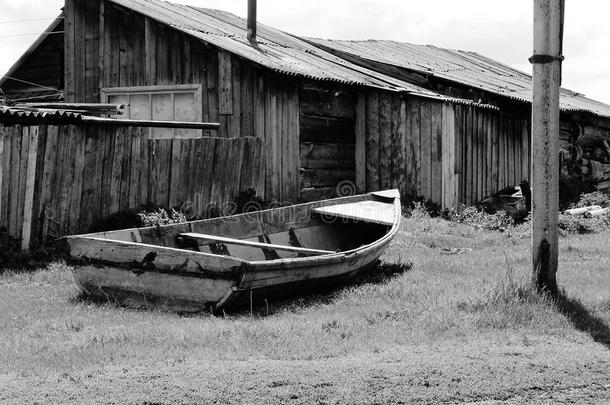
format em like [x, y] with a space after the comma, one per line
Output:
[548, 37]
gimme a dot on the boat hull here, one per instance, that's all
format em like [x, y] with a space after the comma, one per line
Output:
[157, 273]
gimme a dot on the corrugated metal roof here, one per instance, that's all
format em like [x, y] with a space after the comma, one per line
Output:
[31, 115]
[275, 50]
[468, 68]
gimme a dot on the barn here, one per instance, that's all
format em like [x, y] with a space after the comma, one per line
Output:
[297, 119]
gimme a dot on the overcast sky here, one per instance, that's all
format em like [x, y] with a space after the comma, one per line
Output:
[501, 30]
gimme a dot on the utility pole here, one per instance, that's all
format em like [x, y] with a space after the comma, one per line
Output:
[548, 44]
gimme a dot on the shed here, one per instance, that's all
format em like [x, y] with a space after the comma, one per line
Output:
[585, 123]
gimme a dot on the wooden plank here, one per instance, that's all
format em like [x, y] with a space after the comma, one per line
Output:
[480, 154]
[80, 67]
[69, 50]
[144, 168]
[385, 141]
[399, 144]
[135, 168]
[327, 156]
[225, 83]
[494, 153]
[295, 136]
[3, 170]
[372, 141]
[436, 152]
[150, 51]
[77, 137]
[126, 138]
[209, 239]
[124, 27]
[92, 49]
[234, 121]
[413, 144]
[426, 149]
[30, 182]
[88, 205]
[469, 157]
[48, 190]
[23, 163]
[459, 152]
[163, 55]
[36, 204]
[360, 145]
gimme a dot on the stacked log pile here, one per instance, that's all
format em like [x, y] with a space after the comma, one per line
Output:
[585, 155]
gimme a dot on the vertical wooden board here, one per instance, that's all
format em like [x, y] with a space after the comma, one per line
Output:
[426, 149]
[30, 182]
[176, 57]
[135, 138]
[77, 136]
[271, 133]
[259, 110]
[480, 155]
[71, 193]
[103, 38]
[187, 64]
[511, 152]
[216, 172]
[234, 128]
[178, 173]
[237, 157]
[413, 145]
[126, 59]
[114, 48]
[385, 141]
[144, 168]
[400, 145]
[92, 52]
[494, 153]
[36, 202]
[295, 136]
[163, 55]
[23, 162]
[283, 144]
[79, 52]
[150, 51]
[126, 135]
[372, 141]
[69, 50]
[87, 206]
[106, 196]
[247, 172]
[436, 151]
[471, 168]
[225, 83]
[211, 152]
[247, 101]
[3, 165]
[454, 193]
[360, 158]
[117, 170]
[139, 49]
[459, 152]
[49, 174]
[212, 71]
[489, 189]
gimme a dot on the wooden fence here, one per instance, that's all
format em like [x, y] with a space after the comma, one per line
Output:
[58, 180]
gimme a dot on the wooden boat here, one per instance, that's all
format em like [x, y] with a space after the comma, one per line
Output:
[230, 261]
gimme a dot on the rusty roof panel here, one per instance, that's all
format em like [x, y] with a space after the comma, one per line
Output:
[468, 68]
[275, 50]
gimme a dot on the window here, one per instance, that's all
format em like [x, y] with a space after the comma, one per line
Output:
[160, 103]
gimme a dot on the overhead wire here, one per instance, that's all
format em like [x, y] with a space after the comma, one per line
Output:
[32, 34]
[29, 20]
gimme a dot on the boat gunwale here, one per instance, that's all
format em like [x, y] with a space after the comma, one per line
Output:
[264, 265]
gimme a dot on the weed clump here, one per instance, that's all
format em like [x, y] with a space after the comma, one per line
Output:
[161, 217]
[595, 198]
[479, 219]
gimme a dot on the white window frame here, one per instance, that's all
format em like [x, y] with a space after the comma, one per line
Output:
[196, 89]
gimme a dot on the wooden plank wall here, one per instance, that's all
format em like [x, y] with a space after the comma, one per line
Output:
[58, 180]
[327, 139]
[493, 152]
[444, 152]
[409, 145]
[133, 50]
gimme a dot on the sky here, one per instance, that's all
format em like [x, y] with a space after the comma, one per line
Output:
[501, 30]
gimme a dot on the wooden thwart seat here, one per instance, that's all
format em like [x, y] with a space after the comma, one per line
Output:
[239, 242]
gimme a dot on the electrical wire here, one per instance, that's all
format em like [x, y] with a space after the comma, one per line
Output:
[31, 20]
[32, 34]
[30, 83]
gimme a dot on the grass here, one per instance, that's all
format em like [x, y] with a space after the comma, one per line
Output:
[447, 317]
